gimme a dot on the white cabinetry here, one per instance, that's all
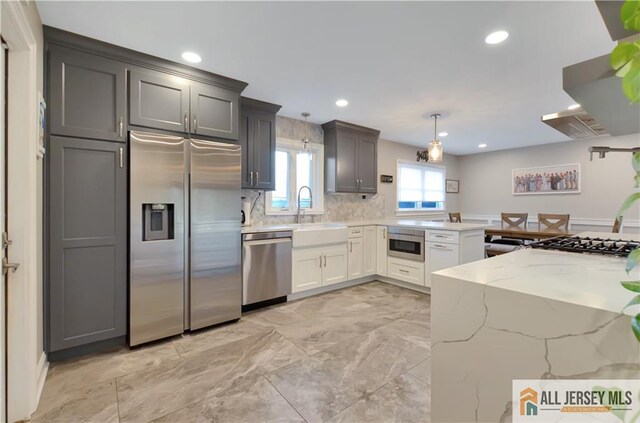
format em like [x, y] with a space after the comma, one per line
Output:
[439, 256]
[307, 269]
[406, 270]
[446, 249]
[356, 264]
[381, 250]
[318, 266]
[362, 251]
[369, 251]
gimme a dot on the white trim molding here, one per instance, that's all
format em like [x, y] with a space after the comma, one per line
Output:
[494, 219]
[24, 369]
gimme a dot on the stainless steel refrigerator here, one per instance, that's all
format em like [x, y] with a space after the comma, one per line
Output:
[185, 253]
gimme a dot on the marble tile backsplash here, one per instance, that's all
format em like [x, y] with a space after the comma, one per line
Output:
[337, 208]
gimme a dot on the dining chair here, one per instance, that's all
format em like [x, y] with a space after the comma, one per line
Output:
[617, 224]
[455, 217]
[514, 220]
[501, 245]
[553, 222]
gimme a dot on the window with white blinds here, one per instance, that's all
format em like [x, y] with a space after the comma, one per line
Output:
[420, 187]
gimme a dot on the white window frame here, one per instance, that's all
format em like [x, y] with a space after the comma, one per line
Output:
[420, 212]
[293, 147]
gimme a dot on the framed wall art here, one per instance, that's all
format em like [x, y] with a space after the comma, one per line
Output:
[557, 179]
[452, 186]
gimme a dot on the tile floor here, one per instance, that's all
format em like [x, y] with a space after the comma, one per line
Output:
[360, 354]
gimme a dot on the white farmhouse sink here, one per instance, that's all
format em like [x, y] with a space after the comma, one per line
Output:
[317, 234]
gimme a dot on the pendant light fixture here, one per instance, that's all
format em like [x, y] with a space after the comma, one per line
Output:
[305, 148]
[435, 146]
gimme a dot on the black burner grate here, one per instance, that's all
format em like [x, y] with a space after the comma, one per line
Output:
[576, 244]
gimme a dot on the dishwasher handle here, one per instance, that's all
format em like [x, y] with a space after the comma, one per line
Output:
[267, 241]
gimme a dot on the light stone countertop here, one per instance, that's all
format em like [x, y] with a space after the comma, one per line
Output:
[407, 223]
[590, 280]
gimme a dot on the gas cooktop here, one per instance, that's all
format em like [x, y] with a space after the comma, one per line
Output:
[577, 244]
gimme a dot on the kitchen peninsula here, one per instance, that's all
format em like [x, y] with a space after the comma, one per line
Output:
[526, 315]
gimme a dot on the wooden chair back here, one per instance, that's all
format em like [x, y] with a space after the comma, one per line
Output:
[553, 222]
[617, 224]
[455, 218]
[514, 220]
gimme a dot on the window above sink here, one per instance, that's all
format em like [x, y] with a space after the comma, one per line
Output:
[295, 169]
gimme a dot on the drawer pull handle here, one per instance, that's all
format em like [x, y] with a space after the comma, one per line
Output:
[403, 271]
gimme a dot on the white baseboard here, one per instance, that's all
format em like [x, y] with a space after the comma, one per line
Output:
[347, 284]
[41, 372]
[328, 288]
[402, 284]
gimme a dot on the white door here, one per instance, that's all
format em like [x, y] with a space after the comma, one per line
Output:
[440, 256]
[3, 217]
[369, 250]
[381, 250]
[334, 265]
[307, 269]
[355, 258]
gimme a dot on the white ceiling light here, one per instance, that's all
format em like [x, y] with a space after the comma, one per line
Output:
[573, 106]
[443, 134]
[482, 145]
[191, 57]
[496, 37]
[342, 103]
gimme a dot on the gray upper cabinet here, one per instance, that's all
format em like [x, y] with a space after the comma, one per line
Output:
[159, 100]
[368, 163]
[87, 242]
[214, 111]
[258, 141]
[87, 95]
[163, 101]
[351, 158]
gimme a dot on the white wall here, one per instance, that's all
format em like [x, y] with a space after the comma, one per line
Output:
[388, 154]
[485, 184]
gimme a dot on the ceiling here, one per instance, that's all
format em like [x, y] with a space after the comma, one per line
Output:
[396, 63]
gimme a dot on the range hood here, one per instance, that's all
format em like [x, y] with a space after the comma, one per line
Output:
[575, 124]
[594, 85]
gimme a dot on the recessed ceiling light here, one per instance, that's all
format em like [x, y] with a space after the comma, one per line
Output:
[191, 57]
[342, 103]
[496, 37]
[573, 106]
[482, 145]
[443, 134]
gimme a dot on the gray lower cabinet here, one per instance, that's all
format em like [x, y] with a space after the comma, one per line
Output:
[214, 111]
[351, 158]
[87, 95]
[158, 100]
[87, 242]
[258, 141]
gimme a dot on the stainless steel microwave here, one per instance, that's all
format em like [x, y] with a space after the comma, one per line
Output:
[406, 243]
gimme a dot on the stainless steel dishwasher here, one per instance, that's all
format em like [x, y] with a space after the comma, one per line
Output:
[266, 266]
